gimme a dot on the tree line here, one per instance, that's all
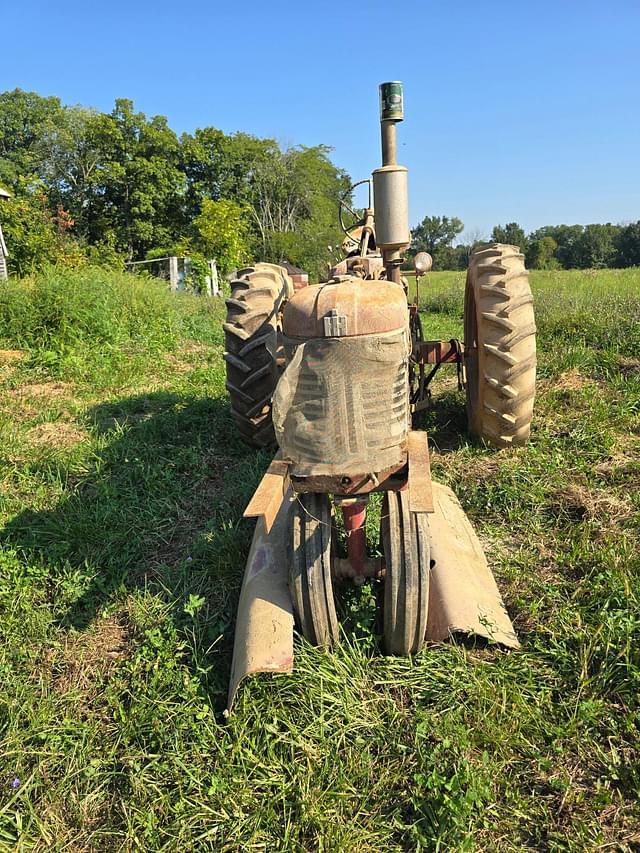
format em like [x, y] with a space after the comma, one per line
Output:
[550, 247]
[93, 187]
[107, 187]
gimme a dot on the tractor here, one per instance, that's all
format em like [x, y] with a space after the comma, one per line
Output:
[334, 376]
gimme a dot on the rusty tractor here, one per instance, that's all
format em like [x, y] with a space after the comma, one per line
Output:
[334, 374]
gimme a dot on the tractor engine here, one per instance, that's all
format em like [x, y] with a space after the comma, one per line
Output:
[341, 407]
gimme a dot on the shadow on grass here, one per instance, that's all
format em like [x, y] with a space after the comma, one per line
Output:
[445, 421]
[159, 511]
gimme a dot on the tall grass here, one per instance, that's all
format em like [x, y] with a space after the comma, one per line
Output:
[67, 319]
[598, 308]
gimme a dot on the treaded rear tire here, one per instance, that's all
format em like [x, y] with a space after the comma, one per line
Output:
[500, 346]
[251, 342]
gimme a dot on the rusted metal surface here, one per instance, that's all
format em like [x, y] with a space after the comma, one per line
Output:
[264, 624]
[463, 594]
[267, 498]
[298, 276]
[390, 479]
[369, 306]
[437, 352]
[355, 515]
[420, 491]
[369, 267]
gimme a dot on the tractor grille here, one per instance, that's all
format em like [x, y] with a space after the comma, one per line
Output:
[342, 404]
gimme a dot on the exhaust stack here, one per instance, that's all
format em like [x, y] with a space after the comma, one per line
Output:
[390, 185]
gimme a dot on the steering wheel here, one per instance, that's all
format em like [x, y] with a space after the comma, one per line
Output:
[343, 208]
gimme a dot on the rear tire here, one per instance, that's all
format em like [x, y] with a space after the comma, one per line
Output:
[310, 570]
[405, 541]
[500, 346]
[251, 343]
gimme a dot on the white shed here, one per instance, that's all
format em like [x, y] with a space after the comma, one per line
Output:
[3, 246]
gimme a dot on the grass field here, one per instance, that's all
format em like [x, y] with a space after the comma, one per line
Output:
[122, 548]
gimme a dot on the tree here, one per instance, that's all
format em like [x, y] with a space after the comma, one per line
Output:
[222, 233]
[35, 236]
[540, 253]
[567, 238]
[138, 185]
[294, 201]
[511, 234]
[628, 245]
[435, 235]
[69, 154]
[596, 247]
[22, 117]
[219, 166]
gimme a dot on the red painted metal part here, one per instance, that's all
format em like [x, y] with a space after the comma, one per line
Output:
[354, 515]
[437, 352]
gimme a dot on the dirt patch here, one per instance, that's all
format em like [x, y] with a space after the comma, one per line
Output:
[605, 508]
[622, 467]
[87, 656]
[483, 468]
[45, 390]
[194, 347]
[569, 380]
[8, 356]
[58, 434]
[177, 364]
[629, 367]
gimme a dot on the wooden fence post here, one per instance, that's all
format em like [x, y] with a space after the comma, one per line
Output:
[173, 273]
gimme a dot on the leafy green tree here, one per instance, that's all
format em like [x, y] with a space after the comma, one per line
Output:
[511, 234]
[567, 238]
[35, 237]
[540, 254]
[22, 118]
[69, 157]
[219, 166]
[222, 233]
[294, 202]
[138, 184]
[435, 234]
[596, 247]
[628, 245]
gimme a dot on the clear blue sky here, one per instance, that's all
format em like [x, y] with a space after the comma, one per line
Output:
[526, 111]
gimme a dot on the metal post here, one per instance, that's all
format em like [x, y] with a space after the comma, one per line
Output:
[389, 143]
[173, 273]
[354, 515]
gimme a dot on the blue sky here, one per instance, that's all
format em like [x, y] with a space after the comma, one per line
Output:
[526, 111]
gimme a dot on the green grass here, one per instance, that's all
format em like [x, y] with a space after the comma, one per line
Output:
[122, 547]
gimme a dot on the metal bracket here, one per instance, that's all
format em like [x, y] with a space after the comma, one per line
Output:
[420, 491]
[270, 493]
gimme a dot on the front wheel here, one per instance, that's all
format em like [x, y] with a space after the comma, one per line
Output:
[405, 541]
[310, 570]
[499, 346]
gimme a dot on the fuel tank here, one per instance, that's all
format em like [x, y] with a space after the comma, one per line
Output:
[341, 407]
